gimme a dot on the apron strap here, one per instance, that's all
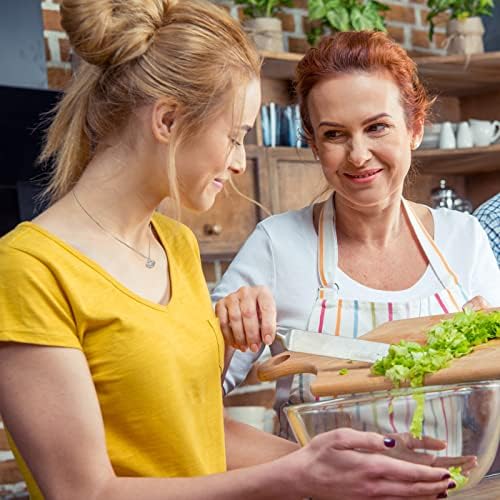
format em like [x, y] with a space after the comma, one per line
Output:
[437, 260]
[327, 245]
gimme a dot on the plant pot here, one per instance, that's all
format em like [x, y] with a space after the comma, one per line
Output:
[465, 36]
[266, 32]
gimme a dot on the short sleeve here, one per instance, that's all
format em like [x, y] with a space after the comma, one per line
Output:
[33, 306]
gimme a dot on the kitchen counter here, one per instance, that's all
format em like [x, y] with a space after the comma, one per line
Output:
[487, 489]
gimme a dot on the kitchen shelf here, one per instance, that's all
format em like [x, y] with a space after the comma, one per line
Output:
[455, 75]
[466, 161]
[279, 65]
[459, 75]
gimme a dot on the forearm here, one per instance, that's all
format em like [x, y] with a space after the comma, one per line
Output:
[264, 482]
[247, 446]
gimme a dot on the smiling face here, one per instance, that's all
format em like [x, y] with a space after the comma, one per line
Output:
[361, 136]
[206, 162]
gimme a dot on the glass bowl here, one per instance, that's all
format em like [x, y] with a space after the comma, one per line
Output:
[466, 416]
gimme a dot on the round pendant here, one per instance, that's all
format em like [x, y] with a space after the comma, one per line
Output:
[150, 263]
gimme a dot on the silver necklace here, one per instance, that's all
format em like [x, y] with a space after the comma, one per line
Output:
[150, 263]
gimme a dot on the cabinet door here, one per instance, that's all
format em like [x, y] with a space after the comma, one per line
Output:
[296, 178]
[223, 229]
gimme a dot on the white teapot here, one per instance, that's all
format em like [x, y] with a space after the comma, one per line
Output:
[484, 132]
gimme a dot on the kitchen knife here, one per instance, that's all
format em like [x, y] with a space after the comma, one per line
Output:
[322, 344]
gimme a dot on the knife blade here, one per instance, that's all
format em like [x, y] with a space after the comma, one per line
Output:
[322, 344]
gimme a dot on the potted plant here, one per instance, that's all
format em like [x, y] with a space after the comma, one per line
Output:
[465, 28]
[344, 15]
[265, 29]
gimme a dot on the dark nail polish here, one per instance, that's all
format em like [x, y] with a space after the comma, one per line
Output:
[452, 485]
[390, 443]
[446, 476]
[443, 495]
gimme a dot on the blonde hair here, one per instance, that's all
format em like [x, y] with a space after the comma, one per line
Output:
[134, 52]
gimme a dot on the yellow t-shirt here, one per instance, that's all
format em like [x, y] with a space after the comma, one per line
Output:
[156, 369]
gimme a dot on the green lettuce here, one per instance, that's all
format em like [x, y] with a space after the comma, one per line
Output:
[409, 362]
[458, 477]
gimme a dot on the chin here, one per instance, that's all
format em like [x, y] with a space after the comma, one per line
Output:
[200, 205]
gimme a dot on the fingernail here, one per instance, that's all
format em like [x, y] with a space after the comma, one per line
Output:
[446, 476]
[254, 347]
[443, 495]
[452, 485]
[268, 339]
[389, 442]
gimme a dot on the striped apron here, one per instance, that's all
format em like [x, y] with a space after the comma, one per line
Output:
[337, 315]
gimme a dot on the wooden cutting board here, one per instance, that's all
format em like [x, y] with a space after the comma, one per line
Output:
[482, 364]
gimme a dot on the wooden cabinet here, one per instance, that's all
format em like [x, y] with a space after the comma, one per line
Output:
[295, 178]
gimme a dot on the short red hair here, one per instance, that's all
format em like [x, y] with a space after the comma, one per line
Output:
[368, 51]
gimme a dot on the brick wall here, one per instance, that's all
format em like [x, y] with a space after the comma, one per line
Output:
[405, 20]
[406, 24]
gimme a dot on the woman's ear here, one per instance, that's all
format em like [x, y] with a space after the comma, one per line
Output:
[418, 133]
[314, 149]
[163, 120]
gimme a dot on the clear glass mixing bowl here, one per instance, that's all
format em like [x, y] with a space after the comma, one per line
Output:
[466, 416]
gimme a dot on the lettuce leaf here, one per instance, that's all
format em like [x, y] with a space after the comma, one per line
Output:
[409, 362]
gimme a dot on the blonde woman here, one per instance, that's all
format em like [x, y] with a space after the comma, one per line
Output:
[110, 355]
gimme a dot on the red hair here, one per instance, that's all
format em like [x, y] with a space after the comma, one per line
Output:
[368, 51]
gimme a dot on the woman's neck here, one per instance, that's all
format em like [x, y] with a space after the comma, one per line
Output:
[374, 226]
[115, 190]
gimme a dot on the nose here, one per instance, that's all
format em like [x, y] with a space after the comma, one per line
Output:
[359, 152]
[238, 163]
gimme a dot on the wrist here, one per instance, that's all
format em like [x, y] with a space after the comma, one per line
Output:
[292, 470]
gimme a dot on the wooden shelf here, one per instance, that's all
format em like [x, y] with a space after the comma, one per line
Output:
[458, 75]
[450, 75]
[466, 161]
[280, 65]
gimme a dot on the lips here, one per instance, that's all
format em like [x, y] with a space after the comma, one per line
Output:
[365, 174]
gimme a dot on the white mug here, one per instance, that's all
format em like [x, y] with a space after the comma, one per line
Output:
[484, 132]
[447, 136]
[464, 136]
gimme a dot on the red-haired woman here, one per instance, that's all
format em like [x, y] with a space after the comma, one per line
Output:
[366, 255]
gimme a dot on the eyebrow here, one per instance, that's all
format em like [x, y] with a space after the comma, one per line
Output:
[368, 120]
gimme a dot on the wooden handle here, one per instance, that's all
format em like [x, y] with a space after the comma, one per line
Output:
[293, 363]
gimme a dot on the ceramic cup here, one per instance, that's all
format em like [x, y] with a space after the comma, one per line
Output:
[464, 136]
[447, 136]
[484, 132]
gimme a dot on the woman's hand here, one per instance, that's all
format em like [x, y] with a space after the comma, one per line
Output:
[247, 318]
[476, 303]
[345, 463]
[406, 449]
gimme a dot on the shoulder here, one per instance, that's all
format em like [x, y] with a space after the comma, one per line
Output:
[292, 221]
[23, 246]
[490, 209]
[177, 235]
[453, 221]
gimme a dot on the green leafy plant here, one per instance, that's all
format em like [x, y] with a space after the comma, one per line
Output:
[263, 8]
[458, 9]
[345, 15]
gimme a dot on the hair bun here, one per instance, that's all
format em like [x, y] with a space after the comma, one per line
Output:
[112, 32]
